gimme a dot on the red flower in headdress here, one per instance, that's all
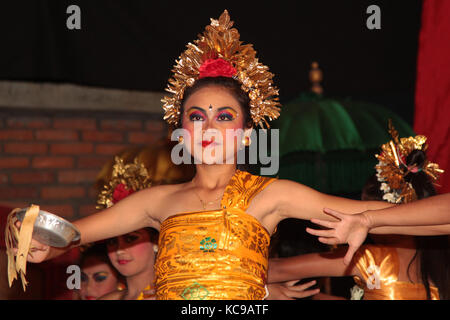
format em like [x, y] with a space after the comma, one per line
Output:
[216, 68]
[121, 191]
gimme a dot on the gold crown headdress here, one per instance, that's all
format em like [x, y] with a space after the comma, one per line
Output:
[125, 179]
[392, 167]
[219, 52]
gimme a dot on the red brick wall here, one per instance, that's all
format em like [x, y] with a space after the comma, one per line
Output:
[52, 159]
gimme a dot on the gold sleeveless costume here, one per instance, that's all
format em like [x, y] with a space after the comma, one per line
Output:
[216, 254]
[390, 288]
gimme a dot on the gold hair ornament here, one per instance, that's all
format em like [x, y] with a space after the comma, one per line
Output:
[392, 167]
[221, 42]
[125, 179]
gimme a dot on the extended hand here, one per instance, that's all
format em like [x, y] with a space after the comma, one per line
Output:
[38, 251]
[287, 290]
[351, 229]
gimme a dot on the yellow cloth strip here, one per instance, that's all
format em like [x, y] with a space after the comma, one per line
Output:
[21, 239]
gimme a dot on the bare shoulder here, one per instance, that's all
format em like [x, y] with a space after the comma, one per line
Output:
[265, 202]
[272, 192]
[277, 198]
[115, 295]
[277, 188]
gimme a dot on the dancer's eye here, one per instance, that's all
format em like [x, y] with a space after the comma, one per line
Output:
[100, 276]
[196, 116]
[225, 116]
[131, 238]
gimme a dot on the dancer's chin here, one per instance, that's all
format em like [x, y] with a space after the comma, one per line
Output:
[208, 160]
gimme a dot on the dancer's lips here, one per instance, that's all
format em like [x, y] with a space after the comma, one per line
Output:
[90, 298]
[206, 143]
[122, 261]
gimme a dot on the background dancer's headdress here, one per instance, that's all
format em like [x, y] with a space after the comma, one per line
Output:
[219, 52]
[125, 179]
[392, 167]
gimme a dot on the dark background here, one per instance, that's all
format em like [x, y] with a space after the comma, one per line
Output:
[133, 44]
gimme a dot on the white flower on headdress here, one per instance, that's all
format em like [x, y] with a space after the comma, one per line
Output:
[356, 293]
[390, 197]
[379, 171]
[385, 187]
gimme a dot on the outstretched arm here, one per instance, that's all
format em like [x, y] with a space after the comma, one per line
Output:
[430, 211]
[327, 264]
[129, 214]
[294, 200]
[132, 213]
[429, 216]
[438, 230]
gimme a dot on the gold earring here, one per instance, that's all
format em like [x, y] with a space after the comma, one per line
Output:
[181, 140]
[246, 141]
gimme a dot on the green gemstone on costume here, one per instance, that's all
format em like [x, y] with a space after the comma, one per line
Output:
[208, 244]
[195, 292]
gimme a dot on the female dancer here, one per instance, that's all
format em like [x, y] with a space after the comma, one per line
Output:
[98, 276]
[396, 268]
[132, 254]
[403, 174]
[214, 230]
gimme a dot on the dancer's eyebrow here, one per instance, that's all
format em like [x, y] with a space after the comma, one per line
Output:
[226, 107]
[196, 108]
[204, 111]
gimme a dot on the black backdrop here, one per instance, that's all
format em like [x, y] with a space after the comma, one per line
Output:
[132, 44]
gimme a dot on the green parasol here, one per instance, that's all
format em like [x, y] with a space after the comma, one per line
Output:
[329, 144]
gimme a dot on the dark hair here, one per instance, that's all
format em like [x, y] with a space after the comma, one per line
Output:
[419, 180]
[433, 252]
[231, 85]
[153, 234]
[98, 251]
[371, 190]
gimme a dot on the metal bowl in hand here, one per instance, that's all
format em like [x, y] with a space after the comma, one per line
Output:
[52, 230]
